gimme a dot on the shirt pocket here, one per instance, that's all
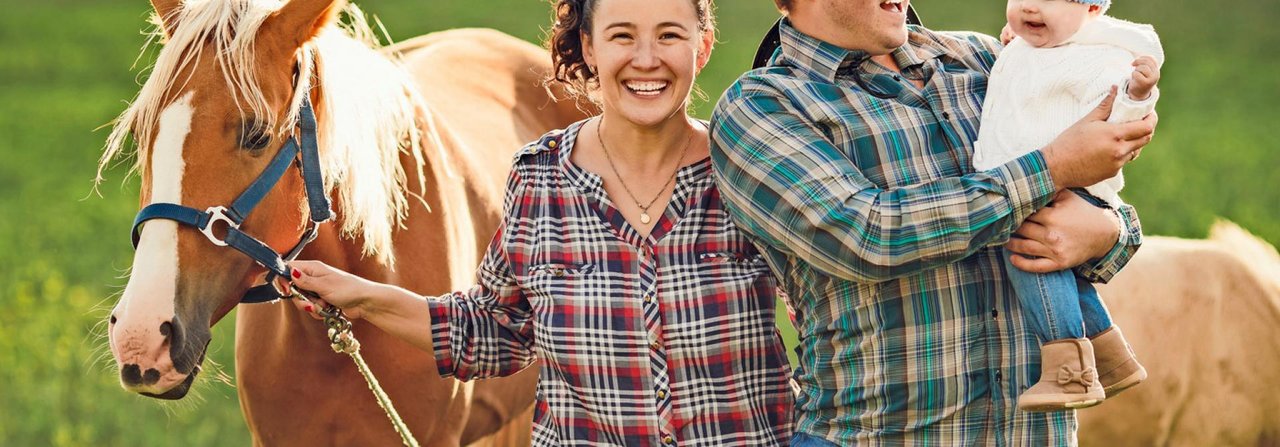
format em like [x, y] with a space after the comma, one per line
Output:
[551, 286]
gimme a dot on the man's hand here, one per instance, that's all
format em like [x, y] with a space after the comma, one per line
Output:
[1146, 73]
[1006, 34]
[1093, 150]
[1067, 233]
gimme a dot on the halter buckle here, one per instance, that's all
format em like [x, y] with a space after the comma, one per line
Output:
[217, 214]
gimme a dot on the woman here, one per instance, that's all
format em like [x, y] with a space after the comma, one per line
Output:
[615, 264]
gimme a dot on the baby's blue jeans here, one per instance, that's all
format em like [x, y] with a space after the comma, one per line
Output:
[1059, 305]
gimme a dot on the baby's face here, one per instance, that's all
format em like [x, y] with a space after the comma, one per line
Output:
[1047, 23]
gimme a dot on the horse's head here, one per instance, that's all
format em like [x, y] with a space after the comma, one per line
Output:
[219, 105]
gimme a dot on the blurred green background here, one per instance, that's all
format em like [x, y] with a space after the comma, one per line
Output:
[65, 70]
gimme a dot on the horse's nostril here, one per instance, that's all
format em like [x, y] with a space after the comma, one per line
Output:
[113, 319]
[151, 376]
[166, 328]
[131, 374]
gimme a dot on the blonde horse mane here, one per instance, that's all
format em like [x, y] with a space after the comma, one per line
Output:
[369, 101]
[1253, 251]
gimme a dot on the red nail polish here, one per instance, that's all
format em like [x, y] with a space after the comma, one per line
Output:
[296, 274]
[309, 308]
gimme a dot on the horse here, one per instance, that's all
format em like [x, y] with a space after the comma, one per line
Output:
[1203, 316]
[414, 141]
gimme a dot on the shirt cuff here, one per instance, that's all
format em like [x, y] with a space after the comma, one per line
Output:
[1124, 99]
[1027, 184]
[439, 309]
[1101, 270]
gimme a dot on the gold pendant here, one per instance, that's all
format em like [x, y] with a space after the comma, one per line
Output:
[644, 218]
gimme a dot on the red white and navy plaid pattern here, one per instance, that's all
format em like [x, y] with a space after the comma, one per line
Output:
[661, 340]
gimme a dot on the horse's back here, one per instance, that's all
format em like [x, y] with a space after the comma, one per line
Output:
[489, 87]
[1203, 317]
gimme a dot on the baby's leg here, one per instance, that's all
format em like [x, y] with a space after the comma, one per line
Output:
[1051, 306]
[1118, 367]
[1048, 302]
[1092, 309]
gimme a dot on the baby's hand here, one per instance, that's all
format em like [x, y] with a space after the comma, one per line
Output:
[1146, 73]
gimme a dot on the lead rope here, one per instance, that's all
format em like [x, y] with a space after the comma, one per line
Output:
[343, 341]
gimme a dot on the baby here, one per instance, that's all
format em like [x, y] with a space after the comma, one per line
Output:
[1065, 59]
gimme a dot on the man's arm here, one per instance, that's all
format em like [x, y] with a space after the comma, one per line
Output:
[789, 185]
[1072, 233]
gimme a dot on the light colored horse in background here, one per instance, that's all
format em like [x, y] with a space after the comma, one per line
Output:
[415, 157]
[1203, 316]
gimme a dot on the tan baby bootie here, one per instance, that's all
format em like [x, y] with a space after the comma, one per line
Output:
[1068, 378]
[1118, 368]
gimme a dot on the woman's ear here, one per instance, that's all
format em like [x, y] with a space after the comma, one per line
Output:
[704, 48]
[588, 52]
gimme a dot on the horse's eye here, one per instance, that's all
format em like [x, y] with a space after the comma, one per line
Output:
[253, 136]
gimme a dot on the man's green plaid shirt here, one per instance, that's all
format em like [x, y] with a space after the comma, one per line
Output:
[886, 240]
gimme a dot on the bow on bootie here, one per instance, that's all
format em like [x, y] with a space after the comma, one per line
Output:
[1084, 377]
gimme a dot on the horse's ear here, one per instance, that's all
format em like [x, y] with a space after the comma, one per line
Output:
[167, 11]
[300, 20]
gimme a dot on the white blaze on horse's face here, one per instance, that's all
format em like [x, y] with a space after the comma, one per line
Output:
[145, 312]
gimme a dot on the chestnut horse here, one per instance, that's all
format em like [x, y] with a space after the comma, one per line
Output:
[1203, 316]
[415, 142]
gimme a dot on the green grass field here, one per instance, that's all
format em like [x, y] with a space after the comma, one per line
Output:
[65, 71]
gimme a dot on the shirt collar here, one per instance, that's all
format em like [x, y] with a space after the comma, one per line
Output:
[825, 60]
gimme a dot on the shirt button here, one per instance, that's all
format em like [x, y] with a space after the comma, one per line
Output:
[648, 297]
[897, 78]
[999, 376]
[662, 394]
[668, 440]
[551, 144]
[995, 314]
[946, 116]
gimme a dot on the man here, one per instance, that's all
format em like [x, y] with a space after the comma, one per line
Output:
[848, 160]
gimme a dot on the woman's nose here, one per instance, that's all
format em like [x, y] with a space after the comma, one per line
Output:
[645, 56]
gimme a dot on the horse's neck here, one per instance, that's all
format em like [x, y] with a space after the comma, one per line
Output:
[448, 225]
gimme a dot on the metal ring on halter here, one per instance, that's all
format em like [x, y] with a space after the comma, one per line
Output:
[217, 214]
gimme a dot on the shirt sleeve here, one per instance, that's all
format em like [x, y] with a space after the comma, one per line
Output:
[792, 188]
[1101, 270]
[486, 331]
[1127, 109]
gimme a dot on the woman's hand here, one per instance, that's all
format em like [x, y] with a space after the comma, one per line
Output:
[348, 292]
[1067, 233]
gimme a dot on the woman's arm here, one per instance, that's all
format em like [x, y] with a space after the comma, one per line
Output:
[397, 311]
[486, 331]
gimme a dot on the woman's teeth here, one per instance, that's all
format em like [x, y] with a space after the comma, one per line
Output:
[646, 88]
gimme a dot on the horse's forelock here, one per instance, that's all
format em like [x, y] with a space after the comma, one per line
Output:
[229, 28]
[369, 101]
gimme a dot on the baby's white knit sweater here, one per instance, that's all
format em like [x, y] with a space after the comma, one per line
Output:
[1034, 94]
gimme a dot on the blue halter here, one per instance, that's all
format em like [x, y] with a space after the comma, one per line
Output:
[231, 218]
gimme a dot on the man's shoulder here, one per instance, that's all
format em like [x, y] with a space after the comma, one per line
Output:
[768, 83]
[966, 46]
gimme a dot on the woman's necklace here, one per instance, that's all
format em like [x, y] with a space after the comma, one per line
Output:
[644, 208]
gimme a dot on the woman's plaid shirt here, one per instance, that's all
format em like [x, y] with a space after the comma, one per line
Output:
[655, 341]
[884, 239]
